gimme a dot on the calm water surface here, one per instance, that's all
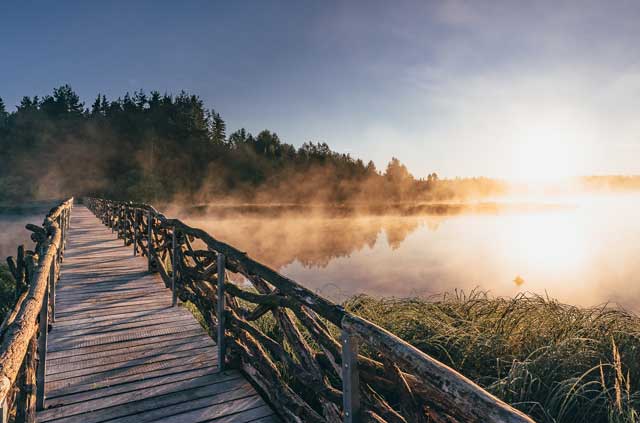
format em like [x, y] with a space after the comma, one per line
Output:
[586, 252]
[13, 233]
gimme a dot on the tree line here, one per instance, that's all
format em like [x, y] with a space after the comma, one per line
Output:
[162, 147]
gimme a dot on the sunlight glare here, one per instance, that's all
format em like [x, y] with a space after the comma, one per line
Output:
[549, 150]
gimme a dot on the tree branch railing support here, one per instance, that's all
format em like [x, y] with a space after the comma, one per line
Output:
[23, 333]
[42, 341]
[136, 215]
[310, 359]
[350, 378]
[149, 241]
[220, 312]
[174, 267]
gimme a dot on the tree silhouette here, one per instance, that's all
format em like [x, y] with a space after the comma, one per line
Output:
[159, 147]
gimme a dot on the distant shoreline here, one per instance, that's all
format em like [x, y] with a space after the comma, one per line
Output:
[348, 210]
[23, 209]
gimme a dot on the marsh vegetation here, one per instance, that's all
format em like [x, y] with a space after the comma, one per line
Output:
[556, 362]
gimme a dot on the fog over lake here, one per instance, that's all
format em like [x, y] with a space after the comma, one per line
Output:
[13, 232]
[587, 251]
[583, 250]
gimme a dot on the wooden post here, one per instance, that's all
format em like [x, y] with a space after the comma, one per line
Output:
[30, 380]
[61, 221]
[220, 312]
[125, 220]
[4, 411]
[149, 240]
[174, 267]
[135, 232]
[52, 287]
[350, 378]
[42, 344]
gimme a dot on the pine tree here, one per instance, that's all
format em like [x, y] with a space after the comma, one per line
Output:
[3, 111]
[96, 107]
[371, 168]
[218, 127]
[4, 117]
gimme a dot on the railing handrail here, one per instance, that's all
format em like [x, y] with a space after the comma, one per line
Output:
[446, 387]
[20, 324]
[334, 312]
[18, 334]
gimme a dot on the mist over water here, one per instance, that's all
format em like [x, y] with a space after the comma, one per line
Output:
[13, 232]
[581, 250]
[585, 252]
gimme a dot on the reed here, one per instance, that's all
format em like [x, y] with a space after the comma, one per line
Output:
[556, 362]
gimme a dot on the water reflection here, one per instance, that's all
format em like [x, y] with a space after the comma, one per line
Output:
[584, 254]
[313, 242]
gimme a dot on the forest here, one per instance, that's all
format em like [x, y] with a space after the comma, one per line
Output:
[161, 148]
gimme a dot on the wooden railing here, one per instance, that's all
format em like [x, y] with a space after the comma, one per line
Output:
[310, 358]
[24, 329]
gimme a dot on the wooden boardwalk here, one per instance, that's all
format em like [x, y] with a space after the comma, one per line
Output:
[119, 352]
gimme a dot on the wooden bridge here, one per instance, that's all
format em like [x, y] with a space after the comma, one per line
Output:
[100, 332]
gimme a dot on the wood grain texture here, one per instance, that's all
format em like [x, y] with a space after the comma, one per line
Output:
[296, 363]
[119, 351]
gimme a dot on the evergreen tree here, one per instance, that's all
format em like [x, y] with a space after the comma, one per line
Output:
[4, 115]
[157, 146]
[218, 127]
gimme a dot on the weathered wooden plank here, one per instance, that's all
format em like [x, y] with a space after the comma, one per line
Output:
[137, 385]
[69, 325]
[180, 411]
[139, 313]
[215, 411]
[116, 326]
[156, 348]
[88, 341]
[112, 307]
[118, 350]
[111, 286]
[131, 370]
[268, 419]
[109, 298]
[54, 391]
[109, 312]
[117, 346]
[220, 393]
[200, 386]
[73, 370]
[65, 366]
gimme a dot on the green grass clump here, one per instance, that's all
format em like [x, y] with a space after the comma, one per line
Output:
[7, 291]
[556, 362]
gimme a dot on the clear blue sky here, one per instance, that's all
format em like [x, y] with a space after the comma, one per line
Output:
[499, 88]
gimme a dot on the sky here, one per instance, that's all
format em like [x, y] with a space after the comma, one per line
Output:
[511, 89]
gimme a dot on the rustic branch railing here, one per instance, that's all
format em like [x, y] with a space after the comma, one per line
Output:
[311, 359]
[24, 329]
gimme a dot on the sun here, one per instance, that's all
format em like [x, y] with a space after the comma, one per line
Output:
[548, 152]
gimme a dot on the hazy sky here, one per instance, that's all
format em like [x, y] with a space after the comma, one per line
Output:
[496, 88]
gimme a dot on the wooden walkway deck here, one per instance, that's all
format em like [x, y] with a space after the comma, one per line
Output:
[119, 352]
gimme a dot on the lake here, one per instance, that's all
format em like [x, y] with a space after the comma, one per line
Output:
[583, 250]
[13, 233]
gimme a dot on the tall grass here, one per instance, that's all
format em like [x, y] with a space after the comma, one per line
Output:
[7, 290]
[556, 362]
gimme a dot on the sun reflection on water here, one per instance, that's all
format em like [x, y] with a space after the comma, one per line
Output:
[582, 254]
